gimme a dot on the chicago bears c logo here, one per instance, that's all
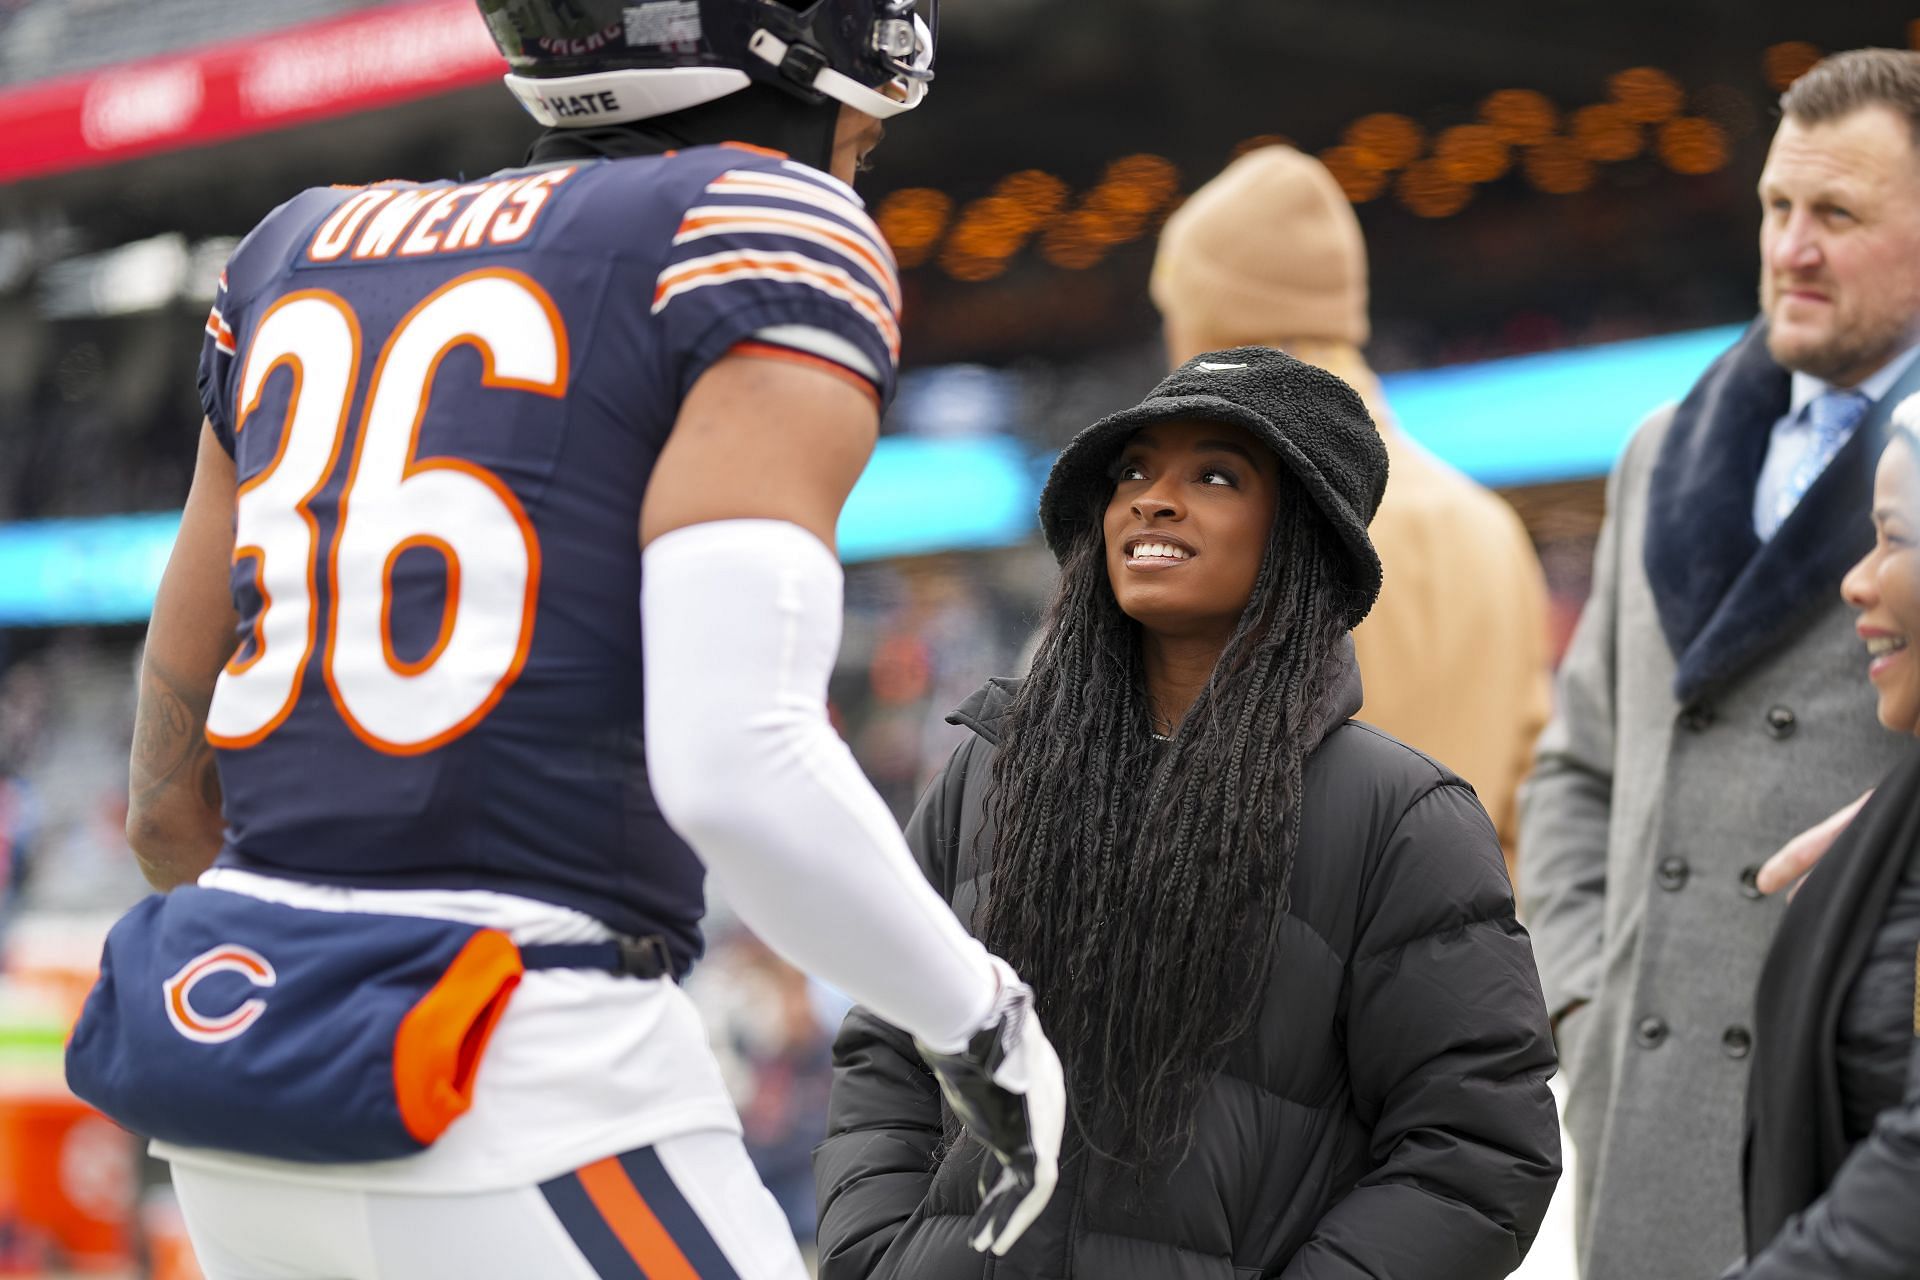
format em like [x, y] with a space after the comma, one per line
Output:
[226, 958]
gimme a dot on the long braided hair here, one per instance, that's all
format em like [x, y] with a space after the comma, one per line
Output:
[1139, 886]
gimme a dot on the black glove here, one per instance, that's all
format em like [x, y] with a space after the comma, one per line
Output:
[1005, 1086]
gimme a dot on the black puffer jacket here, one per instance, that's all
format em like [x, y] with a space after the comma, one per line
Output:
[1389, 1117]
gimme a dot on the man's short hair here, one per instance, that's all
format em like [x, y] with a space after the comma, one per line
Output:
[1844, 83]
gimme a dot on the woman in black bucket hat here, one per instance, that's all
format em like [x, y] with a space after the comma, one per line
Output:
[1276, 949]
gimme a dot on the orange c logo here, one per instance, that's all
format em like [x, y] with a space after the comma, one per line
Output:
[226, 958]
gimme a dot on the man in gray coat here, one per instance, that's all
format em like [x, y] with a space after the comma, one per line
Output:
[1714, 701]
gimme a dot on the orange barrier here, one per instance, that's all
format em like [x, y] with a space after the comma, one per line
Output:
[169, 1254]
[67, 1185]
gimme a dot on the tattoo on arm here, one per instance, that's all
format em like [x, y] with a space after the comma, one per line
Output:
[174, 783]
[169, 735]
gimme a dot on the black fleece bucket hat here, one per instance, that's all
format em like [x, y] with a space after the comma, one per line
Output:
[1314, 422]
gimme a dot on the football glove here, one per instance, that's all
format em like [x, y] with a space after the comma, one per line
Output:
[1006, 1087]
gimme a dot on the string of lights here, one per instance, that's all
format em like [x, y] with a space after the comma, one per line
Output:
[1557, 152]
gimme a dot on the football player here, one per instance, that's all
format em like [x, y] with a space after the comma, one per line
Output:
[471, 450]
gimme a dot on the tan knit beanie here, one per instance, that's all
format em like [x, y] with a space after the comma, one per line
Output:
[1267, 251]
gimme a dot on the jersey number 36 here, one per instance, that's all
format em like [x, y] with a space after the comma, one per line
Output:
[390, 502]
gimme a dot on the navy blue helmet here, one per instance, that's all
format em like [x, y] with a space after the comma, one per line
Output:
[584, 62]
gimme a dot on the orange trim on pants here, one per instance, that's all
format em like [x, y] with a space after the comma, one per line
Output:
[633, 1222]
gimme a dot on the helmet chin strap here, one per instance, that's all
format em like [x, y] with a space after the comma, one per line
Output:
[812, 73]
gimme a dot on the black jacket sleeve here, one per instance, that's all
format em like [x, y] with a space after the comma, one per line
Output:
[883, 1118]
[1864, 1227]
[1449, 1055]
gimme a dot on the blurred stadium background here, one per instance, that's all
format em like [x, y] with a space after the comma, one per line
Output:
[1558, 200]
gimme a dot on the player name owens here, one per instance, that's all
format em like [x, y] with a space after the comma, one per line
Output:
[412, 222]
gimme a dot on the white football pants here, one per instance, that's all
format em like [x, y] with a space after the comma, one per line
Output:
[687, 1208]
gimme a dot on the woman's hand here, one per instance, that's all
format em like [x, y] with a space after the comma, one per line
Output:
[1798, 856]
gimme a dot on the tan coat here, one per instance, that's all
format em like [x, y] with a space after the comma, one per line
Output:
[1454, 655]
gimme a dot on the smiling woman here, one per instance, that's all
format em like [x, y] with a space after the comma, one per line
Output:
[1186, 533]
[1275, 948]
[1833, 1109]
[1885, 585]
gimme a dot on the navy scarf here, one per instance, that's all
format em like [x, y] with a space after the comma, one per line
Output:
[1724, 598]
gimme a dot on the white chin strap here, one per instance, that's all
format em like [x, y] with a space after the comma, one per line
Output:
[903, 94]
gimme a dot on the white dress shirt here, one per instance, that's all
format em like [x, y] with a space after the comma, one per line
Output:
[1793, 434]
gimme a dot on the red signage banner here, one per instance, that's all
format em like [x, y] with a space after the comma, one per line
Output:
[367, 59]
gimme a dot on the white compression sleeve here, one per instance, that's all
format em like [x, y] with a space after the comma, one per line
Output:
[740, 620]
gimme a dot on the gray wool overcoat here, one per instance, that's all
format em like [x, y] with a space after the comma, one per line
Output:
[1714, 703]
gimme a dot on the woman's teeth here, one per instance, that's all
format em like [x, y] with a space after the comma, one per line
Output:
[1157, 551]
[1881, 646]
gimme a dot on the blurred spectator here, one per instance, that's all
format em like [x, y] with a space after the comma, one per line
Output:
[1454, 656]
[776, 1052]
[23, 713]
[65, 726]
[1711, 703]
[921, 635]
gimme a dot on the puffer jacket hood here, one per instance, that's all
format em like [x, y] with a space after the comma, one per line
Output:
[1389, 1115]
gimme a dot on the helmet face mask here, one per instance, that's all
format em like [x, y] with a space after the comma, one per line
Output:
[903, 40]
[588, 62]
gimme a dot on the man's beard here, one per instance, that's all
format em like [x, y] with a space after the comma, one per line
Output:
[1844, 351]
[1832, 360]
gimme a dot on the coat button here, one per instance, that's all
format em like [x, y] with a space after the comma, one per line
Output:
[1696, 717]
[1750, 884]
[1781, 722]
[1650, 1032]
[1737, 1042]
[1672, 874]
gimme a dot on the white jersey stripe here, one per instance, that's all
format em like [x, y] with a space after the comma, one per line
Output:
[812, 179]
[815, 341]
[864, 230]
[755, 183]
[220, 331]
[741, 220]
[789, 274]
[822, 178]
[784, 268]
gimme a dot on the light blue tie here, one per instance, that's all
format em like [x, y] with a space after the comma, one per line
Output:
[1833, 415]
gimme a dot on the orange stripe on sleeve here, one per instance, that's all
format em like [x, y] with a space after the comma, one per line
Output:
[757, 220]
[749, 264]
[753, 150]
[633, 1222]
[768, 351]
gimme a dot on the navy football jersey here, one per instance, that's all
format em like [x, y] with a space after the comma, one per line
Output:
[443, 403]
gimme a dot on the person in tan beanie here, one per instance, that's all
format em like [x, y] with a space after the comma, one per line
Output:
[1454, 655]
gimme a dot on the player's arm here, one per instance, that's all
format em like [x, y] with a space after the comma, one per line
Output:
[173, 793]
[763, 439]
[741, 617]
